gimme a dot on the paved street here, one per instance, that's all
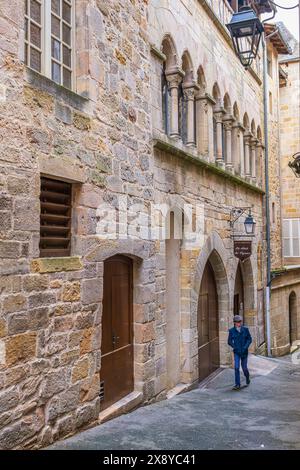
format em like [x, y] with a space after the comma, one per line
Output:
[265, 415]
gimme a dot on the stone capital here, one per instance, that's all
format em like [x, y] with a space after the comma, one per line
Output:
[189, 93]
[218, 114]
[227, 125]
[174, 78]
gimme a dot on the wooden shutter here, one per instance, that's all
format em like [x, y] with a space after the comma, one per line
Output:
[55, 230]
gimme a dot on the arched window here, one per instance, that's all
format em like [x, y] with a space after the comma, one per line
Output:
[165, 92]
[169, 89]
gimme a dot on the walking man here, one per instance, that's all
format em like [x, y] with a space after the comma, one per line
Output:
[240, 339]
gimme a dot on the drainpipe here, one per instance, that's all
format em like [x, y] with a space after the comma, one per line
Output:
[267, 198]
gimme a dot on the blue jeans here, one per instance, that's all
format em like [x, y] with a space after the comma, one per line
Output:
[243, 360]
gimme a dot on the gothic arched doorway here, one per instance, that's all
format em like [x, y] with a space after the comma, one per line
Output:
[208, 324]
[238, 303]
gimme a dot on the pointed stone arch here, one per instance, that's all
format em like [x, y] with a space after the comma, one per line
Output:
[168, 48]
[227, 103]
[215, 252]
[246, 122]
[188, 68]
[236, 111]
[201, 80]
[216, 94]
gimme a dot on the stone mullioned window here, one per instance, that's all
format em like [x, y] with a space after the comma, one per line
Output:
[209, 123]
[49, 39]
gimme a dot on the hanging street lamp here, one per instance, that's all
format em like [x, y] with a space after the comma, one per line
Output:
[249, 224]
[295, 164]
[246, 30]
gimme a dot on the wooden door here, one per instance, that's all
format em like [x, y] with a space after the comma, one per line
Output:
[116, 374]
[208, 325]
[238, 303]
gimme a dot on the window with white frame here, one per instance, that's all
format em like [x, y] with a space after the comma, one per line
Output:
[291, 238]
[49, 43]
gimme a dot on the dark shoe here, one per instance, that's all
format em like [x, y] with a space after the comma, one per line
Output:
[248, 381]
[236, 387]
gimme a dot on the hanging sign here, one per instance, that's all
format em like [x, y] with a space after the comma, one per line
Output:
[242, 249]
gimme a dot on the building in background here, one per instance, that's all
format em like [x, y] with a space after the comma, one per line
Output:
[286, 268]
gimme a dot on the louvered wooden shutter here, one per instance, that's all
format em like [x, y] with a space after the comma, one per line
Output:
[55, 232]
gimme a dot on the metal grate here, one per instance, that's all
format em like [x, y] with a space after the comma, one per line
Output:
[55, 222]
[101, 393]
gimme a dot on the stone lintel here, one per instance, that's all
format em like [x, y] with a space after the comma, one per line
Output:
[52, 265]
[61, 168]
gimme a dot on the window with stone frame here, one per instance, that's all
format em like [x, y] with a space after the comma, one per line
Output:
[49, 39]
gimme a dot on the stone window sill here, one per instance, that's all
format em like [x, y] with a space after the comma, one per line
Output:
[45, 84]
[53, 265]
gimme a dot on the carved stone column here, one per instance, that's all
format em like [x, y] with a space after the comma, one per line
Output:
[174, 80]
[253, 143]
[259, 149]
[228, 136]
[204, 131]
[247, 137]
[218, 115]
[189, 96]
[240, 134]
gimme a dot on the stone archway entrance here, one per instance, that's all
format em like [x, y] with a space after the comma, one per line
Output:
[238, 300]
[208, 324]
[116, 373]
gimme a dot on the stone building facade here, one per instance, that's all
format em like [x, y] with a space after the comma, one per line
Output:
[153, 111]
[285, 285]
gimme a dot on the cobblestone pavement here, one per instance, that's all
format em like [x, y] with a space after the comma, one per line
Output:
[265, 415]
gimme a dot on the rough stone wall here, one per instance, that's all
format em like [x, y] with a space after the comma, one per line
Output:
[290, 142]
[282, 287]
[181, 182]
[101, 140]
[50, 316]
[274, 164]
[287, 282]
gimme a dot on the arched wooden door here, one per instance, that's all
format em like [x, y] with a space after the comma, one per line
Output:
[208, 325]
[116, 374]
[238, 304]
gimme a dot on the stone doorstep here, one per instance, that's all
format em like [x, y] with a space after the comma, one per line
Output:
[211, 377]
[122, 406]
[179, 388]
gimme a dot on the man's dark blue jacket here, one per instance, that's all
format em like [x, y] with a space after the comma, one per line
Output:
[240, 342]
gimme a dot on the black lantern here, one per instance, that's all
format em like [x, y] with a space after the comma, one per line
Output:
[245, 29]
[249, 224]
[295, 164]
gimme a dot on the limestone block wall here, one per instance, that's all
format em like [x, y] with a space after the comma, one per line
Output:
[193, 31]
[182, 183]
[290, 143]
[275, 143]
[98, 138]
[285, 317]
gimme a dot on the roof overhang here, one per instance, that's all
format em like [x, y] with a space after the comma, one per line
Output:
[277, 39]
